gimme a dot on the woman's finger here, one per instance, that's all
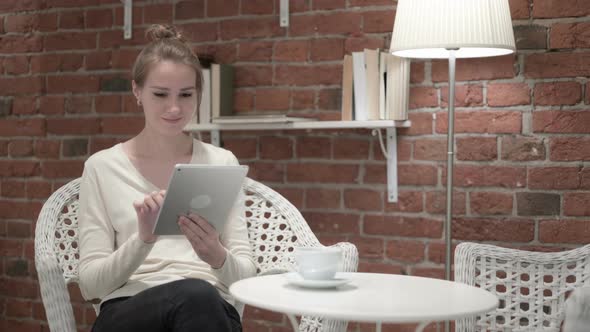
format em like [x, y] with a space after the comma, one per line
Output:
[150, 204]
[202, 222]
[191, 230]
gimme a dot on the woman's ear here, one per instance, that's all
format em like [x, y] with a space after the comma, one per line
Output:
[136, 90]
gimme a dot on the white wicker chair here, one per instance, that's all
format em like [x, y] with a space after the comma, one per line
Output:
[532, 286]
[274, 227]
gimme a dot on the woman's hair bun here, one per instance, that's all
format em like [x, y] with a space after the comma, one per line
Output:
[161, 31]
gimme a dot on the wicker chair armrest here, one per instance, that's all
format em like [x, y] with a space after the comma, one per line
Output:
[349, 256]
[56, 298]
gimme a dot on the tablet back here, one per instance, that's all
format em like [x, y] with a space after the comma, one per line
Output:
[207, 190]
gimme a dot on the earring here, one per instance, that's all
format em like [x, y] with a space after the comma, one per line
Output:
[138, 102]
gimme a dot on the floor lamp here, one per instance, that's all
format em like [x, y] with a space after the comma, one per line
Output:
[450, 29]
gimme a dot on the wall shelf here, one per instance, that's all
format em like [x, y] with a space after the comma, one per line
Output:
[389, 125]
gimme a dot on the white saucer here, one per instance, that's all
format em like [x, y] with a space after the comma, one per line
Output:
[296, 279]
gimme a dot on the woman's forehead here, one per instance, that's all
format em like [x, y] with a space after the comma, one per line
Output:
[171, 74]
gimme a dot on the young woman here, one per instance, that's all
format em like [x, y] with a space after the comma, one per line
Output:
[144, 282]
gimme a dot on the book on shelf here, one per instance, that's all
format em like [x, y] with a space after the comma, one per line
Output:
[380, 86]
[205, 104]
[222, 90]
[260, 118]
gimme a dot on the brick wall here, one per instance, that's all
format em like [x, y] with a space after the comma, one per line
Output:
[522, 128]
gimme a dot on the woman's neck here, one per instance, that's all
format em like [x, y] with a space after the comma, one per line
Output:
[153, 146]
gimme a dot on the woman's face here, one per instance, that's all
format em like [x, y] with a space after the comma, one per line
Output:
[168, 97]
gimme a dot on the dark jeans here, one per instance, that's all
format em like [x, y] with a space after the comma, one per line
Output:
[189, 305]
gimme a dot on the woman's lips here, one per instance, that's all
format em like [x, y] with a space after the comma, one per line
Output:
[172, 120]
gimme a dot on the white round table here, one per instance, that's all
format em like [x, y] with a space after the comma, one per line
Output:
[369, 297]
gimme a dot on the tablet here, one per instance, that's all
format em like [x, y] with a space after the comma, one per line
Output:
[207, 190]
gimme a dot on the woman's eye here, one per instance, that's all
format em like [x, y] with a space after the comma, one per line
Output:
[159, 94]
[186, 95]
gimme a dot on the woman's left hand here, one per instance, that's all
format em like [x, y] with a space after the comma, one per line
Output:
[204, 239]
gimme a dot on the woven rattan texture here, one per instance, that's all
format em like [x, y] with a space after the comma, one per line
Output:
[275, 226]
[532, 286]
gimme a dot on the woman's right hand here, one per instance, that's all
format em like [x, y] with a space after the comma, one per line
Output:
[147, 213]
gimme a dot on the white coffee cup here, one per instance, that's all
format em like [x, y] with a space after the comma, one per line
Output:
[318, 263]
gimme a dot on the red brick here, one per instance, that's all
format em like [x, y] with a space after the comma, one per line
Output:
[350, 148]
[402, 226]
[18, 308]
[520, 148]
[509, 230]
[48, 22]
[426, 272]
[476, 69]
[569, 35]
[490, 203]
[421, 124]
[509, 94]
[51, 105]
[538, 204]
[21, 325]
[73, 126]
[38, 189]
[558, 93]
[19, 168]
[322, 173]
[465, 95]
[293, 195]
[39, 311]
[190, 9]
[476, 148]
[302, 99]
[291, 51]
[405, 251]
[101, 143]
[378, 21]
[22, 85]
[557, 64]
[122, 125]
[322, 198]
[19, 229]
[272, 99]
[16, 65]
[71, 20]
[416, 174]
[243, 100]
[404, 150]
[488, 176]
[326, 49]
[490, 122]
[137, 17]
[47, 148]
[357, 44]
[255, 50]
[308, 75]
[339, 22]
[561, 122]
[123, 59]
[565, 8]
[107, 104]
[20, 148]
[258, 7]
[24, 23]
[407, 201]
[373, 267]
[576, 204]
[21, 43]
[158, 13]
[519, 9]
[22, 127]
[564, 231]
[422, 96]
[250, 28]
[78, 104]
[430, 149]
[267, 171]
[10, 248]
[328, 4]
[330, 99]
[553, 178]
[12, 188]
[24, 105]
[333, 223]
[72, 84]
[569, 148]
[436, 202]
[530, 37]
[222, 8]
[70, 40]
[417, 72]
[363, 199]
[437, 252]
[368, 248]
[114, 38]
[47, 63]
[96, 19]
[98, 60]
[276, 148]
[313, 147]
[60, 169]
[243, 148]
[254, 75]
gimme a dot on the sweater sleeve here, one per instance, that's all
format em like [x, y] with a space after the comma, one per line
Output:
[103, 267]
[239, 263]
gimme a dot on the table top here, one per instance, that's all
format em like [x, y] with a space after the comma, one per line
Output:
[369, 297]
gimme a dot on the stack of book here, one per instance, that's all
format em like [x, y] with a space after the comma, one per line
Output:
[375, 86]
[217, 99]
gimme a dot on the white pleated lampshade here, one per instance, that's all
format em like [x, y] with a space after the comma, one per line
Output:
[475, 28]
